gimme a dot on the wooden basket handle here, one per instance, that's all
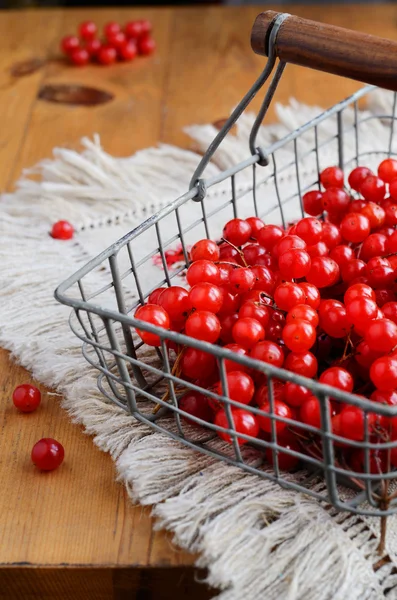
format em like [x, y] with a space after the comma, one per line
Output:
[335, 50]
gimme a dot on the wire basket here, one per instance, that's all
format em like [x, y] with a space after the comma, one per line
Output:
[270, 184]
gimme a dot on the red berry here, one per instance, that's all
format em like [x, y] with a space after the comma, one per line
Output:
[333, 319]
[286, 462]
[339, 378]
[357, 205]
[264, 279]
[244, 423]
[387, 170]
[352, 269]
[69, 43]
[242, 280]
[392, 191]
[47, 454]
[332, 177]
[204, 296]
[374, 213]
[380, 272]
[358, 290]
[195, 363]
[175, 301]
[117, 40]
[390, 311]
[294, 264]
[79, 57]
[62, 230]
[231, 365]
[331, 235]
[203, 325]
[202, 271]
[227, 323]
[269, 235]
[288, 295]
[324, 272]
[309, 412]
[133, 29]
[26, 397]
[146, 27]
[336, 201]
[128, 51]
[360, 311]
[93, 47]
[352, 423]
[310, 230]
[289, 242]
[280, 410]
[355, 227]
[155, 295]
[256, 225]
[373, 245]
[383, 373]
[357, 177]
[146, 45]
[381, 335]
[195, 404]
[303, 312]
[312, 295]
[155, 315]
[252, 252]
[254, 311]
[299, 336]
[268, 352]
[88, 30]
[237, 232]
[247, 332]
[341, 254]
[373, 189]
[111, 28]
[204, 250]
[107, 55]
[302, 363]
[385, 296]
[240, 387]
[319, 249]
[313, 203]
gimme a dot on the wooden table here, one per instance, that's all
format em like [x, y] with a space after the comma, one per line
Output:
[80, 518]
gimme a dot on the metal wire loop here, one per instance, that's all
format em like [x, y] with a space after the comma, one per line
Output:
[240, 108]
[263, 157]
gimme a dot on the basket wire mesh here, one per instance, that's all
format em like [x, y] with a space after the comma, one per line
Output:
[270, 184]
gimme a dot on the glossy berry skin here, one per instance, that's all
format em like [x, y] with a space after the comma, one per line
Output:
[312, 295]
[107, 55]
[301, 363]
[381, 335]
[309, 412]
[299, 336]
[202, 270]
[355, 227]
[146, 45]
[231, 365]
[361, 310]
[333, 319]
[269, 235]
[392, 191]
[247, 332]
[196, 362]
[155, 295]
[268, 352]
[264, 279]
[69, 44]
[146, 26]
[380, 272]
[286, 462]
[47, 454]
[358, 290]
[303, 312]
[331, 235]
[288, 295]
[256, 225]
[385, 296]
[336, 201]
[341, 254]
[374, 213]
[117, 40]
[310, 230]
[111, 29]
[295, 395]
[88, 30]
[204, 250]
[128, 51]
[319, 249]
[155, 315]
[252, 252]
[262, 394]
[204, 296]
[227, 323]
[195, 404]
[373, 189]
[203, 325]
[352, 423]
[391, 214]
[93, 47]
[244, 422]
[133, 29]
[390, 311]
[26, 397]
[383, 373]
[237, 232]
[280, 410]
[387, 170]
[254, 311]
[80, 57]
[240, 387]
[62, 230]
[357, 177]
[373, 245]
[324, 272]
[289, 242]
[332, 177]
[352, 269]
[176, 302]
[313, 203]
[294, 264]
[339, 378]
[242, 280]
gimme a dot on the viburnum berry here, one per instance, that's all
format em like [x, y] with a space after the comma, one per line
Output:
[146, 45]
[383, 373]
[391, 215]
[374, 213]
[319, 249]
[62, 230]
[227, 323]
[240, 387]
[331, 235]
[256, 225]
[294, 264]
[252, 252]
[336, 201]
[202, 271]
[289, 242]
[390, 311]
[230, 303]
[312, 294]
[47, 454]
[93, 47]
[204, 250]
[245, 423]
[339, 378]
[176, 302]
[111, 29]
[280, 410]
[231, 365]
[303, 312]
[355, 227]
[324, 272]
[202, 296]
[264, 279]
[352, 269]
[359, 290]
[381, 335]
[237, 232]
[80, 57]
[196, 362]
[26, 397]
[247, 332]
[133, 29]
[69, 44]
[310, 230]
[373, 245]
[294, 394]
[107, 55]
[332, 177]
[269, 235]
[357, 177]
[255, 311]
[288, 295]
[341, 254]
[360, 311]
[88, 30]
[242, 280]
[385, 296]
[301, 363]
[154, 315]
[230, 254]
[196, 405]
[333, 319]
[268, 352]
[285, 461]
[299, 336]
[313, 203]
[373, 189]
[203, 325]
[128, 51]
[309, 412]
[387, 170]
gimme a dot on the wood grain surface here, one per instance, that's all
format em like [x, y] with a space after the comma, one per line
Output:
[79, 516]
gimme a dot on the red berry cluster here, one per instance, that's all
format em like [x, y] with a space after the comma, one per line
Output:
[318, 299]
[118, 43]
[47, 454]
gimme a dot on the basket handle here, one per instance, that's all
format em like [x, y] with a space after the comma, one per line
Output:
[335, 50]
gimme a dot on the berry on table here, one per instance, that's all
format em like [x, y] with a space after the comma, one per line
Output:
[107, 55]
[88, 30]
[69, 43]
[93, 47]
[62, 230]
[80, 57]
[47, 454]
[134, 29]
[26, 397]
[111, 29]
[146, 45]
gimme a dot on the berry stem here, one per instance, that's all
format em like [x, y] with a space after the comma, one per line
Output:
[238, 250]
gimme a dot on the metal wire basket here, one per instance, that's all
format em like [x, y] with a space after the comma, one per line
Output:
[269, 184]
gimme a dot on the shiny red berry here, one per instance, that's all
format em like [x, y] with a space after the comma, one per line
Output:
[80, 57]
[332, 177]
[107, 55]
[133, 29]
[47, 454]
[62, 230]
[387, 170]
[26, 397]
[111, 28]
[88, 30]
[146, 45]
[69, 43]
[357, 177]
